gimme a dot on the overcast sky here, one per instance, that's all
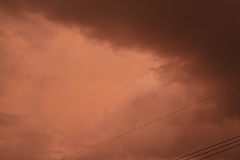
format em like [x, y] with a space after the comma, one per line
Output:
[74, 73]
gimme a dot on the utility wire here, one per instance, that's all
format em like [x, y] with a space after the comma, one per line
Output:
[212, 150]
[208, 147]
[168, 115]
[220, 151]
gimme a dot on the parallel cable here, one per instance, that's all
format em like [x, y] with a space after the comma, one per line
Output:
[220, 151]
[208, 147]
[212, 150]
[170, 114]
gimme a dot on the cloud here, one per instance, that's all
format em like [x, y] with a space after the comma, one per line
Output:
[23, 135]
[202, 36]
[21, 140]
[169, 138]
[8, 119]
[198, 45]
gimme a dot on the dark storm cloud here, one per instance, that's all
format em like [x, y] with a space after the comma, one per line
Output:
[205, 33]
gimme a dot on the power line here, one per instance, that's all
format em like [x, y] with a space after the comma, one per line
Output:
[212, 150]
[220, 151]
[168, 115]
[208, 147]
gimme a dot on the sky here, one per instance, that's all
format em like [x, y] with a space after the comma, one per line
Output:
[76, 73]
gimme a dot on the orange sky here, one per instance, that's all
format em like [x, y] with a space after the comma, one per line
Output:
[63, 82]
[74, 77]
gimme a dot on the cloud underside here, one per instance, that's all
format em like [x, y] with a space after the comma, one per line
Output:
[199, 42]
[202, 36]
